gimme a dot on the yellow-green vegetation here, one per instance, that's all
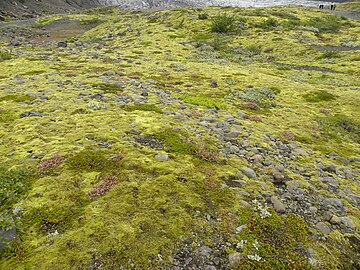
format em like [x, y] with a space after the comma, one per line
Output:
[226, 135]
[353, 5]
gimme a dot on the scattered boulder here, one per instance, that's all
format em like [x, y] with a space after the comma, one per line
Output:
[250, 173]
[245, 204]
[278, 205]
[235, 258]
[322, 227]
[7, 234]
[347, 222]
[31, 114]
[333, 202]
[62, 44]
[162, 157]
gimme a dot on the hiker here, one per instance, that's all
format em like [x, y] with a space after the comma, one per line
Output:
[332, 6]
[321, 6]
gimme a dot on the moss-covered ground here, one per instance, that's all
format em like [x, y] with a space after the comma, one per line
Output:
[127, 147]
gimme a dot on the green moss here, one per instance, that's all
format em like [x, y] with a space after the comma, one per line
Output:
[340, 126]
[282, 240]
[317, 96]
[327, 24]
[175, 142]
[7, 116]
[330, 54]
[142, 107]
[5, 56]
[17, 98]
[93, 160]
[33, 72]
[13, 185]
[108, 87]
[203, 100]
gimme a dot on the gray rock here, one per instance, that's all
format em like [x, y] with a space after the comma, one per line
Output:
[322, 227]
[248, 172]
[162, 157]
[235, 258]
[280, 168]
[354, 159]
[243, 193]
[240, 228]
[210, 267]
[334, 220]
[334, 202]
[301, 152]
[278, 205]
[208, 119]
[310, 252]
[257, 158]
[204, 251]
[330, 181]
[245, 204]
[347, 222]
[232, 134]
[312, 209]
[327, 215]
[31, 114]
[7, 235]
[15, 43]
[18, 210]
[331, 168]
[62, 44]
[242, 115]
[234, 149]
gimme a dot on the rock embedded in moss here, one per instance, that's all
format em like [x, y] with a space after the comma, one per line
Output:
[322, 227]
[250, 173]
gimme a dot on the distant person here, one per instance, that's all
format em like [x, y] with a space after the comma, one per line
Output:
[321, 6]
[332, 6]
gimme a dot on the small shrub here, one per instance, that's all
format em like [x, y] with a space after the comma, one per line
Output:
[202, 100]
[5, 56]
[251, 105]
[317, 96]
[330, 54]
[270, 23]
[91, 21]
[223, 24]
[254, 118]
[326, 24]
[256, 97]
[202, 36]
[208, 155]
[340, 126]
[203, 16]
[288, 136]
[218, 44]
[254, 49]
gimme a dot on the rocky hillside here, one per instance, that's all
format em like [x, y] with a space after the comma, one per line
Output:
[195, 138]
[34, 8]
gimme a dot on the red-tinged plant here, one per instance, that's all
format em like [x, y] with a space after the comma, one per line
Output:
[109, 181]
[48, 166]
